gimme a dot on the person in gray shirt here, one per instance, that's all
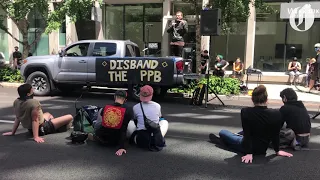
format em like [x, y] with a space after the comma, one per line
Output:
[137, 131]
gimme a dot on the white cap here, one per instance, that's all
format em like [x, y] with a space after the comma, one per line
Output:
[317, 45]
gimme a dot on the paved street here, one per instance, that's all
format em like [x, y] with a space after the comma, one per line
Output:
[188, 154]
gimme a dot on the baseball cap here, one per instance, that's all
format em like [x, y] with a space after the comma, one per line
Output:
[317, 45]
[220, 56]
[121, 93]
[146, 93]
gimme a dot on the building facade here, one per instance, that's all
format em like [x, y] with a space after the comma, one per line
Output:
[260, 42]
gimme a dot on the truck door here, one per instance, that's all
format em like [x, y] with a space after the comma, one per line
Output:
[73, 65]
[101, 50]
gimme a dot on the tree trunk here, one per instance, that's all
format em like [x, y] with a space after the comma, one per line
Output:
[198, 38]
[26, 46]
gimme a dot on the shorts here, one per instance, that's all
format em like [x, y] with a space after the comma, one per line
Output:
[45, 128]
[316, 71]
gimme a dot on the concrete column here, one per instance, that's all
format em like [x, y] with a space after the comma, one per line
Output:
[13, 29]
[53, 37]
[71, 32]
[205, 40]
[165, 37]
[250, 39]
[99, 29]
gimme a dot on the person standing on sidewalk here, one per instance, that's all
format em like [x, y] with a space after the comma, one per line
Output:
[316, 73]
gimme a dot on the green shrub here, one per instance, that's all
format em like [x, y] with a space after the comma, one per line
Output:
[222, 86]
[10, 75]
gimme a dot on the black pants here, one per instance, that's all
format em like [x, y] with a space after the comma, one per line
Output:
[176, 50]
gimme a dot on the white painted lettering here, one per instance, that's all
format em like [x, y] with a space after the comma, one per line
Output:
[120, 64]
[126, 64]
[154, 64]
[113, 64]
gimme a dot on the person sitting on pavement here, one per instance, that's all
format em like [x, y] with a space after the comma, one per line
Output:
[28, 112]
[294, 69]
[296, 117]
[220, 66]
[261, 125]
[144, 137]
[112, 123]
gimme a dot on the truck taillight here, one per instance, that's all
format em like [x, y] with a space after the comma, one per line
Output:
[179, 66]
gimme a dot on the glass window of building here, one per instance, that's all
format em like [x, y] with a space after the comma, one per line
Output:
[230, 44]
[301, 44]
[270, 41]
[153, 27]
[134, 24]
[4, 40]
[35, 27]
[113, 22]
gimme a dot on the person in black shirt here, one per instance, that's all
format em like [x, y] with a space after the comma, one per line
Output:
[296, 116]
[112, 123]
[204, 61]
[220, 66]
[316, 74]
[17, 57]
[261, 126]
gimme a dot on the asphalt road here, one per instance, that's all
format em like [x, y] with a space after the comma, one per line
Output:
[188, 154]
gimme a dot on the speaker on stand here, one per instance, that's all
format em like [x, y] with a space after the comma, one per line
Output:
[210, 25]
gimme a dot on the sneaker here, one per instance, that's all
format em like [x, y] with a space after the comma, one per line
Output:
[214, 139]
[295, 145]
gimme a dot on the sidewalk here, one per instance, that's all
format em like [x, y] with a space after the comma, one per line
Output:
[311, 101]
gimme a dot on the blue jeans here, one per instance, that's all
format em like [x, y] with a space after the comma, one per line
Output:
[231, 140]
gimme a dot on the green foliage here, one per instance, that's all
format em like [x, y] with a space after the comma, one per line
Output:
[10, 75]
[51, 19]
[235, 11]
[222, 86]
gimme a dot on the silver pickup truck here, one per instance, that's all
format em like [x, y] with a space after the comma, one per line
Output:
[102, 63]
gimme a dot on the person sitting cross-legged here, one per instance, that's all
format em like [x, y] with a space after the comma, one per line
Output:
[261, 126]
[140, 134]
[28, 112]
[111, 125]
[297, 119]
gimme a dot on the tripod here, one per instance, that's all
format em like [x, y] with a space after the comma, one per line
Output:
[209, 88]
[207, 92]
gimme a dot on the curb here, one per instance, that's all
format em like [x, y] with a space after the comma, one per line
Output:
[8, 84]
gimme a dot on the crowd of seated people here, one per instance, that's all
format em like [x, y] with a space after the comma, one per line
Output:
[143, 125]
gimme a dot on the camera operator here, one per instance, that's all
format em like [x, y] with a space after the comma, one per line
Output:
[178, 28]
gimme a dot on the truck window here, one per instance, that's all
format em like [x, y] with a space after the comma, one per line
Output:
[129, 51]
[137, 51]
[104, 49]
[78, 50]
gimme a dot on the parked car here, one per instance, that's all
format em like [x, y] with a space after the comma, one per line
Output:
[104, 63]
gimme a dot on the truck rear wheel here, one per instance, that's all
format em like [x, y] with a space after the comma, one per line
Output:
[40, 83]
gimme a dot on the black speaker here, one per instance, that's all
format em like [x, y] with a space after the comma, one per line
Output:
[210, 22]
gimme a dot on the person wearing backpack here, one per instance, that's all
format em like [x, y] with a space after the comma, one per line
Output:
[150, 128]
[112, 123]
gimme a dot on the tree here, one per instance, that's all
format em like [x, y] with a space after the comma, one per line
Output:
[19, 11]
[232, 12]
